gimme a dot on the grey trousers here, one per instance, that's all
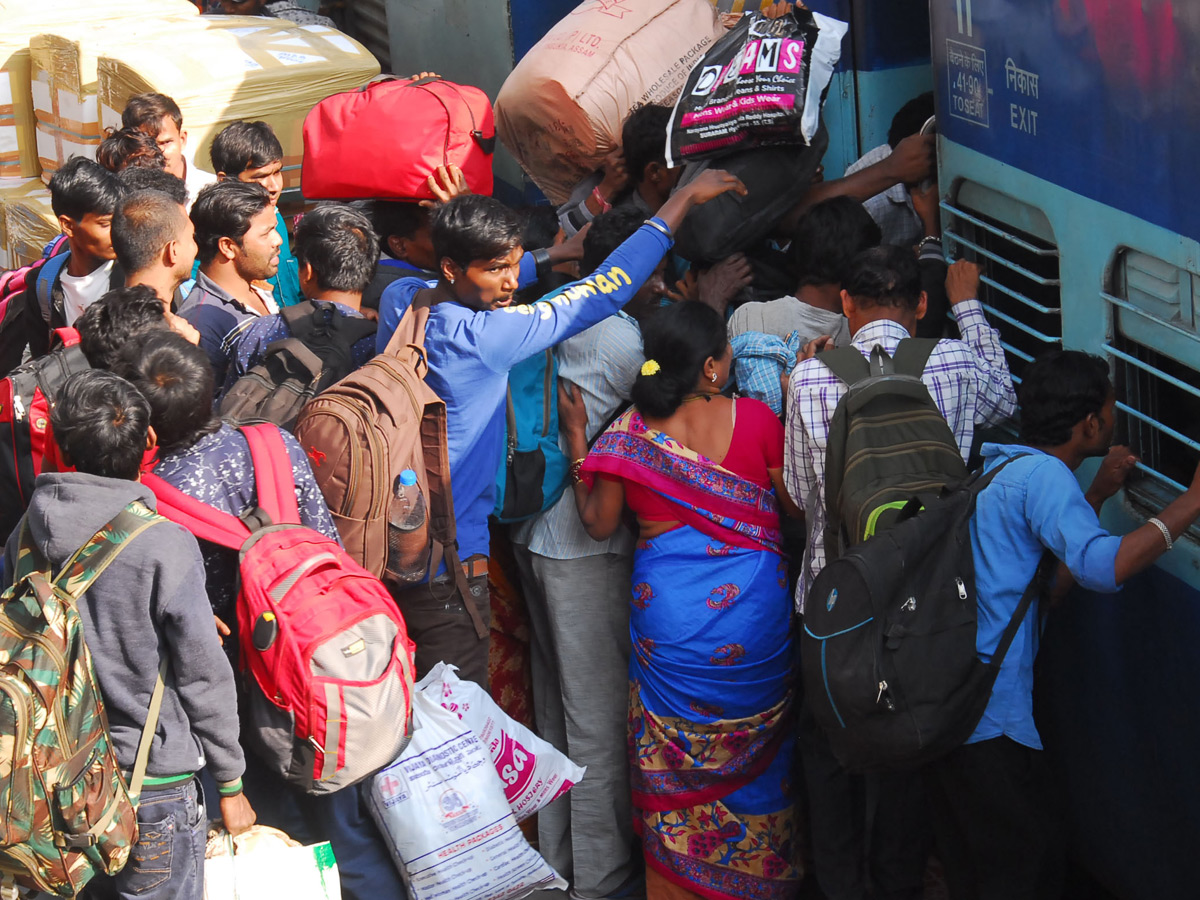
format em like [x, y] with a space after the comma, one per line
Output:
[579, 623]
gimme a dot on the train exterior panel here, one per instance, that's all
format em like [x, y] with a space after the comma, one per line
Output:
[1069, 132]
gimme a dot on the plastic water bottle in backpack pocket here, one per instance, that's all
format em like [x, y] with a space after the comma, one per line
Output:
[407, 539]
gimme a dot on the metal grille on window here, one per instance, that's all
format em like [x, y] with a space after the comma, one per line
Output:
[1020, 288]
[1154, 329]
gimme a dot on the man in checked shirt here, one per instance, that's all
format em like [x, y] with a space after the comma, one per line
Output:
[969, 381]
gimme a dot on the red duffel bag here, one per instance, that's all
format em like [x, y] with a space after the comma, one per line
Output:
[384, 140]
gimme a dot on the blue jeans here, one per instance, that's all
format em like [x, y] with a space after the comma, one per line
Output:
[167, 862]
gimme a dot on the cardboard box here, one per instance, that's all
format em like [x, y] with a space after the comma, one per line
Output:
[270, 70]
[22, 19]
[27, 223]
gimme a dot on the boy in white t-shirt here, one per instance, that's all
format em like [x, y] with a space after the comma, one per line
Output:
[84, 196]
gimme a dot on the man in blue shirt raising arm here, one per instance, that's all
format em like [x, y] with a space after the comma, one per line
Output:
[473, 337]
[996, 824]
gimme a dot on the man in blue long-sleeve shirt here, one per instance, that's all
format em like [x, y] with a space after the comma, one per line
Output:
[996, 824]
[473, 337]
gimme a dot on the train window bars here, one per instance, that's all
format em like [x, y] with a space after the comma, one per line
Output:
[1020, 287]
[1155, 349]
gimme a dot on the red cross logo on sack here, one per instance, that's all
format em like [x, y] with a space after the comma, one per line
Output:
[390, 785]
[316, 456]
[612, 8]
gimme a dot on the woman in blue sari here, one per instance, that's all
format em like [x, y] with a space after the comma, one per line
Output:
[710, 701]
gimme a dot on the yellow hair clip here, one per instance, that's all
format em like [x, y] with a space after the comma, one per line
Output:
[651, 367]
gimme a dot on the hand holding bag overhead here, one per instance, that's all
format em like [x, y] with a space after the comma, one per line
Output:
[385, 140]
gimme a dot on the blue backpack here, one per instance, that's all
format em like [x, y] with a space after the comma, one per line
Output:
[534, 472]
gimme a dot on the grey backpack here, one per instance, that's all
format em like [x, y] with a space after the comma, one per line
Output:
[888, 442]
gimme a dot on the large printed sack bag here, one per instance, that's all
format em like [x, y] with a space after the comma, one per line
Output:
[328, 659]
[442, 811]
[776, 179]
[384, 140]
[534, 773]
[534, 473]
[263, 863]
[27, 446]
[561, 109]
[763, 83]
[67, 811]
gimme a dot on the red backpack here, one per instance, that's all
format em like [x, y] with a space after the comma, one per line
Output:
[327, 657]
[383, 141]
[14, 283]
[27, 446]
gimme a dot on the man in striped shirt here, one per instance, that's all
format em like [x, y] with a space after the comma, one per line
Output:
[969, 381]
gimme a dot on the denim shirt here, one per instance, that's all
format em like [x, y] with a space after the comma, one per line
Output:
[1033, 505]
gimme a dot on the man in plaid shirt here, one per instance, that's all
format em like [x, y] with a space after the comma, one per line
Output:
[969, 381]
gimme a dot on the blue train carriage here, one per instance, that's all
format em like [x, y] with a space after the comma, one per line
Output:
[1070, 134]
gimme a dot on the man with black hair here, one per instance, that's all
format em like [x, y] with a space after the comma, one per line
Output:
[250, 152]
[893, 210]
[337, 251]
[474, 336]
[636, 176]
[117, 319]
[147, 605]
[84, 197]
[405, 245]
[127, 147]
[139, 178]
[969, 382]
[999, 830]
[160, 117]
[156, 246]
[577, 594]
[238, 247]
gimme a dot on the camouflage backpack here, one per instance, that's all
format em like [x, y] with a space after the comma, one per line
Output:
[65, 810]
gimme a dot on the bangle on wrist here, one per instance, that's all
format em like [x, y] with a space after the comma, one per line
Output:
[605, 206]
[661, 226]
[1162, 526]
[574, 473]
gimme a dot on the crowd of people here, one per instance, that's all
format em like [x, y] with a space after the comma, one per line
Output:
[664, 588]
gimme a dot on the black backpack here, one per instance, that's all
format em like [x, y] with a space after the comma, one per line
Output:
[888, 647]
[888, 442]
[318, 354]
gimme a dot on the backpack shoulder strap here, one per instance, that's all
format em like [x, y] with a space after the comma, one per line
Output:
[357, 328]
[199, 518]
[847, 363]
[55, 247]
[302, 319]
[90, 560]
[273, 480]
[1037, 586]
[44, 283]
[912, 355]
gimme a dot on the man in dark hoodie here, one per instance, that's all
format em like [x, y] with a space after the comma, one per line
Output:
[149, 601]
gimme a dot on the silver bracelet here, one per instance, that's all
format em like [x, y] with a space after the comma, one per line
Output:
[654, 223]
[1166, 532]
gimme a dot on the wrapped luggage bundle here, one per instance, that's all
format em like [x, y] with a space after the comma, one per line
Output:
[270, 70]
[64, 64]
[27, 222]
[22, 20]
[561, 110]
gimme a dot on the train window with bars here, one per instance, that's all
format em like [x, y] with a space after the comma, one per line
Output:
[1020, 286]
[1154, 349]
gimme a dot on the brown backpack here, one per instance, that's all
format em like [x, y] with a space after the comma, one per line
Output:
[363, 431]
